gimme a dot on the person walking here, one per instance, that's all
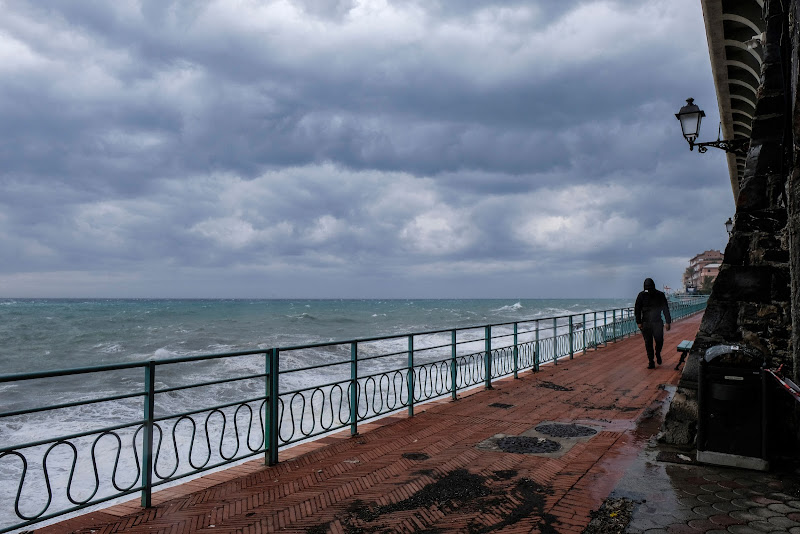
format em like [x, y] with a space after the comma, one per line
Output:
[650, 304]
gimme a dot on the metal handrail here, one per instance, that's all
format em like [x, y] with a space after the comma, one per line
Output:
[165, 442]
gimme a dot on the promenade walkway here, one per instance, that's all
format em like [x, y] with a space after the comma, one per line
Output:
[443, 470]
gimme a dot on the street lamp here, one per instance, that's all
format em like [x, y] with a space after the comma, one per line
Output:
[690, 117]
[729, 226]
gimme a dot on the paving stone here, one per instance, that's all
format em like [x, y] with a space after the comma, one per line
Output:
[730, 484]
[645, 524]
[780, 496]
[781, 508]
[744, 515]
[765, 500]
[744, 529]
[708, 511]
[761, 526]
[725, 520]
[727, 495]
[693, 490]
[794, 504]
[711, 488]
[690, 501]
[726, 506]
[746, 503]
[783, 522]
[764, 513]
[710, 498]
[702, 524]
[681, 529]
[794, 530]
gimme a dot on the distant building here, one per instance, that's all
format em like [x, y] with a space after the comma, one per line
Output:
[704, 265]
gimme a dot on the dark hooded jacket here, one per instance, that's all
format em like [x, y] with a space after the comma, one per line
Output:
[650, 303]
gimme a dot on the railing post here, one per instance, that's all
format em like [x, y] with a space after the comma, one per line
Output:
[594, 329]
[571, 339]
[410, 375]
[555, 341]
[271, 413]
[354, 388]
[147, 435]
[516, 352]
[614, 323]
[605, 328]
[488, 358]
[453, 367]
[536, 350]
[583, 318]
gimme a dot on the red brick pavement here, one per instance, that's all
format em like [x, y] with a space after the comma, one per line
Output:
[365, 484]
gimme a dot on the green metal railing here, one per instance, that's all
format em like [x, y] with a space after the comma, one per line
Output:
[165, 420]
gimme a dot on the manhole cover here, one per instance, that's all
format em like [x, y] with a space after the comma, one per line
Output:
[419, 456]
[500, 405]
[566, 430]
[527, 445]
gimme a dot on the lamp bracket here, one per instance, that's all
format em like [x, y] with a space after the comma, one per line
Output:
[736, 146]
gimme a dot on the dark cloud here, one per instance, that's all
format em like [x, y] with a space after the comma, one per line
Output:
[407, 145]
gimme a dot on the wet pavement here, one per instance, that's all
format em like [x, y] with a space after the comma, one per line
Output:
[671, 493]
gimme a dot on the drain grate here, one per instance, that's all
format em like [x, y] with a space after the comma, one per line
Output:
[500, 405]
[527, 445]
[570, 430]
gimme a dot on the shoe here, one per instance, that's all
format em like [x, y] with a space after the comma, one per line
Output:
[658, 359]
[651, 365]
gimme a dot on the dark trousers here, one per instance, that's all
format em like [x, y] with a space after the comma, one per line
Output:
[653, 332]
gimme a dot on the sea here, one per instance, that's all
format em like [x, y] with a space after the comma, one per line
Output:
[44, 334]
[52, 334]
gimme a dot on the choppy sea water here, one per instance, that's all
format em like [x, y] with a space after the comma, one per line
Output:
[37, 335]
[45, 334]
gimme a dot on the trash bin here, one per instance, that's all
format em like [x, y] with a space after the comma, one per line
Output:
[732, 418]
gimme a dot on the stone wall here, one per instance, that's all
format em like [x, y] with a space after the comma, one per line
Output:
[756, 295]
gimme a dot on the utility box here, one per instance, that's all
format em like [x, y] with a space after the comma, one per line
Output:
[732, 418]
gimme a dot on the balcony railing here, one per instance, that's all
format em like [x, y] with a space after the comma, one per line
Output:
[137, 426]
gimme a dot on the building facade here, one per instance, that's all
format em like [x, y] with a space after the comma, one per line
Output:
[702, 271]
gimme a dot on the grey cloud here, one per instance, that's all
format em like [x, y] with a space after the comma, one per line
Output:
[156, 138]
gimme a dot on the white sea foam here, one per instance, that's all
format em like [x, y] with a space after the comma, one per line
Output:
[510, 307]
[108, 348]
[163, 354]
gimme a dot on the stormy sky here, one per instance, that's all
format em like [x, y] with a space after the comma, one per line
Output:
[353, 148]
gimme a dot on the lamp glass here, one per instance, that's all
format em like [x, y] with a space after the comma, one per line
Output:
[690, 125]
[690, 117]
[729, 225]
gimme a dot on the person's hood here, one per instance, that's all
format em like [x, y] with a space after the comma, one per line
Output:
[649, 284]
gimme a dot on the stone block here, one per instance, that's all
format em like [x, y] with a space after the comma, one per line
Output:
[772, 104]
[776, 256]
[769, 221]
[771, 153]
[720, 317]
[781, 284]
[737, 251]
[744, 284]
[680, 423]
